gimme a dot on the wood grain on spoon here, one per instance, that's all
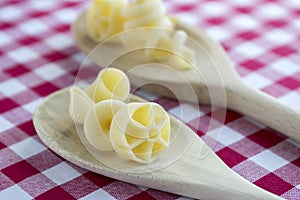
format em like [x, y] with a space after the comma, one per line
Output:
[192, 175]
[209, 87]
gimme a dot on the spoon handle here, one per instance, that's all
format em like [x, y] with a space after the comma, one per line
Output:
[264, 108]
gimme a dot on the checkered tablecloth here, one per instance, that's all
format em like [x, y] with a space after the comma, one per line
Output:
[38, 56]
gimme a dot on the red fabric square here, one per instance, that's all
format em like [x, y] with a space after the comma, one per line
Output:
[225, 116]
[266, 138]
[274, 184]
[28, 128]
[245, 9]
[16, 70]
[290, 82]
[55, 56]
[97, 179]
[230, 157]
[55, 193]
[7, 104]
[2, 146]
[28, 40]
[248, 35]
[37, 14]
[284, 50]
[297, 162]
[143, 195]
[252, 64]
[62, 28]
[216, 20]
[277, 23]
[20, 171]
[5, 25]
[45, 89]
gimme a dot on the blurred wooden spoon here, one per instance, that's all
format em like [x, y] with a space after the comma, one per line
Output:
[213, 79]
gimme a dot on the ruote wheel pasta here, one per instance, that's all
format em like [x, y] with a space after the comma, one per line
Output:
[104, 18]
[97, 123]
[80, 104]
[140, 131]
[111, 83]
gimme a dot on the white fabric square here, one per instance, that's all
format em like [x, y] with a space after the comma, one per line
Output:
[271, 11]
[244, 2]
[98, 194]
[14, 193]
[23, 54]
[33, 27]
[66, 16]
[298, 186]
[189, 18]
[11, 87]
[249, 50]
[225, 135]
[10, 13]
[59, 41]
[292, 99]
[256, 80]
[43, 5]
[49, 71]
[279, 37]
[61, 173]
[186, 112]
[269, 160]
[4, 39]
[244, 22]
[218, 33]
[214, 9]
[27, 148]
[30, 107]
[286, 66]
[296, 23]
[4, 124]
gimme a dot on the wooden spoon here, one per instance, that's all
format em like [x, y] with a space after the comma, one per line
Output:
[191, 175]
[213, 79]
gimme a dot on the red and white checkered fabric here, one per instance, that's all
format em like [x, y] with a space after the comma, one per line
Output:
[38, 56]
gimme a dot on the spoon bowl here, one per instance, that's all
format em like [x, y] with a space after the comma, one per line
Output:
[213, 78]
[190, 175]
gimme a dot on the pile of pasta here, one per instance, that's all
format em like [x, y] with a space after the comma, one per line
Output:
[135, 131]
[106, 18]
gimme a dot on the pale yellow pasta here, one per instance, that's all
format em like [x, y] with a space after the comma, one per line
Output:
[80, 104]
[97, 123]
[111, 83]
[172, 49]
[140, 131]
[104, 18]
[164, 47]
[143, 14]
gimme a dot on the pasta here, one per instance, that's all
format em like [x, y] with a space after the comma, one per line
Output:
[104, 18]
[80, 104]
[111, 83]
[97, 123]
[164, 47]
[143, 14]
[172, 49]
[140, 131]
